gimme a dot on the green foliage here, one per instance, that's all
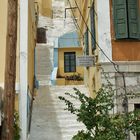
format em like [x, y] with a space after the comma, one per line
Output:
[75, 77]
[82, 136]
[96, 115]
[16, 126]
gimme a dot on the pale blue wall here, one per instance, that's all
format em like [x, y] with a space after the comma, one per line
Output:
[69, 40]
[55, 57]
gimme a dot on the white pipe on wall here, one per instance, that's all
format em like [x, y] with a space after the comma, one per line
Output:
[104, 31]
[23, 67]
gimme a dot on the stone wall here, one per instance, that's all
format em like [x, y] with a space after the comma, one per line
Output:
[132, 81]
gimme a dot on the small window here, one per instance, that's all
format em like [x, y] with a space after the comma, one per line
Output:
[69, 62]
[126, 19]
[41, 35]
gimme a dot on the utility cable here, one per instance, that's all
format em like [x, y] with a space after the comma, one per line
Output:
[114, 64]
[75, 19]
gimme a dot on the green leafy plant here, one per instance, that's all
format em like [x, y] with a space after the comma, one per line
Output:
[95, 114]
[16, 126]
[75, 77]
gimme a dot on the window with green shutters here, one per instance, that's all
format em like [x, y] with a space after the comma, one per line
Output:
[126, 19]
[69, 62]
[92, 23]
[86, 43]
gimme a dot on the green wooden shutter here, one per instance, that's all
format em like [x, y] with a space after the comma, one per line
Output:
[133, 15]
[120, 19]
[92, 22]
[86, 42]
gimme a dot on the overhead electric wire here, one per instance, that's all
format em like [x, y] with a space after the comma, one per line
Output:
[114, 64]
[75, 19]
[125, 102]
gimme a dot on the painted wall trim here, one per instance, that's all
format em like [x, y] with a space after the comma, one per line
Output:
[54, 76]
[23, 67]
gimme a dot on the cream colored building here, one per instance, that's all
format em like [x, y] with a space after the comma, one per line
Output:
[26, 41]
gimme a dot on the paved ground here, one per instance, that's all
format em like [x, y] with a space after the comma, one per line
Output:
[50, 121]
[40, 129]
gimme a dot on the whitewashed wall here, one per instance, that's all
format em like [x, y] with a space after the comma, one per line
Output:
[103, 29]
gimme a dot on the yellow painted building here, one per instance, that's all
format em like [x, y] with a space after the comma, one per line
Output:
[31, 43]
[26, 38]
[28, 11]
[3, 32]
[3, 27]
[32, 28]
[67, 68]
[91, 74]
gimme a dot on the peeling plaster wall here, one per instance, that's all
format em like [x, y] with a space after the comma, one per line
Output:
[132, 80]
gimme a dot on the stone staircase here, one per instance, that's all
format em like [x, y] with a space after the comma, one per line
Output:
[50, 121]
[43, 63]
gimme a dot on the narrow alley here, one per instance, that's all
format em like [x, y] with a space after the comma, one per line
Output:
[49, 119]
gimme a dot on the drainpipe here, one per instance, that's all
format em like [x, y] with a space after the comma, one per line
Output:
[23, 67]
